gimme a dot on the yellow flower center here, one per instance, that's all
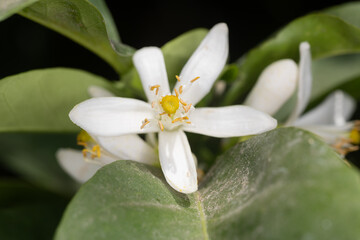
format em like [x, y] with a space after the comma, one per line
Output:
[170, 104]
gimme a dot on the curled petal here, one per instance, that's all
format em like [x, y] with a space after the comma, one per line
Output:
[72, 161]
[274, 87]
[96, 91]
[229, 121]
[150, 64]
[305, 82]
[112, 116]
[128, 147]
[336, 109]
[207, 63]
[177, 162]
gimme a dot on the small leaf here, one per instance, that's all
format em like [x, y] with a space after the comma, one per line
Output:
[40, 100]
[284, 184]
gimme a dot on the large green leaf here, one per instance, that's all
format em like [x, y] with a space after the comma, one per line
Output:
[27, 212]
[285, 184]
[328, 36]
[40, 100]
[10, 7]
[82, 22]
[32, 157]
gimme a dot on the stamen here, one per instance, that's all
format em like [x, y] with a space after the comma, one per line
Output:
[177, 120]
[182, 102]
[153, 104]
[96, 152]
[194, 79]
[161, 126]
[180, 119]
[176, 92]
[146, 121]
[188, 122]
[178, 78]
[163, 113]
[187, 108]
[155, 87]
[181, 89]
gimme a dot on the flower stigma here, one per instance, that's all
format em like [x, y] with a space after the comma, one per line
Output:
[171, 111]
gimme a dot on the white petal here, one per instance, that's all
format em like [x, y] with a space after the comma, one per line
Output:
[72, 161]
[150, 64]
[96, 91]
[207, 63]
[336, 109]
[330, 133]
[305, 82]
[229, 121]
[112, 116]
[177, 162]
[128, 147]
[274, 87]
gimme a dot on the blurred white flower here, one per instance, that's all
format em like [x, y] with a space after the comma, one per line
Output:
[330, 119]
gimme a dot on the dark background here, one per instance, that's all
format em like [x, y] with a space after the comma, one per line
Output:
[25, 45]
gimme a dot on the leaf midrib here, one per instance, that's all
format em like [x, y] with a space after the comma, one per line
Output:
[202, 215]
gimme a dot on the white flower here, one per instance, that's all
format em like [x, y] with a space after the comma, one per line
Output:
[170, 114]
[278, 82]
[99, 151]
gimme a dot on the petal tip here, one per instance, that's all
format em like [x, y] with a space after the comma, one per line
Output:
[304, 46]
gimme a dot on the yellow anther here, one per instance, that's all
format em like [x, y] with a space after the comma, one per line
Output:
[194, 79]
[181, 89]
[161, 126]
[83, 137]
[180, 119]
[170, 104]
[182, 102]
[186, 109]
[155, 87]
[178, 78]
[177, 120]
[146, 121]
[96, 152]
[354, 136]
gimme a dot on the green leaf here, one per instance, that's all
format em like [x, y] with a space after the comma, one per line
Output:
[32, 157]
[82, 22]
[284, 184]
[40, 100]
[332, 73]
[349, 12]
[10, 7]
[328, 36]
[27, 212]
